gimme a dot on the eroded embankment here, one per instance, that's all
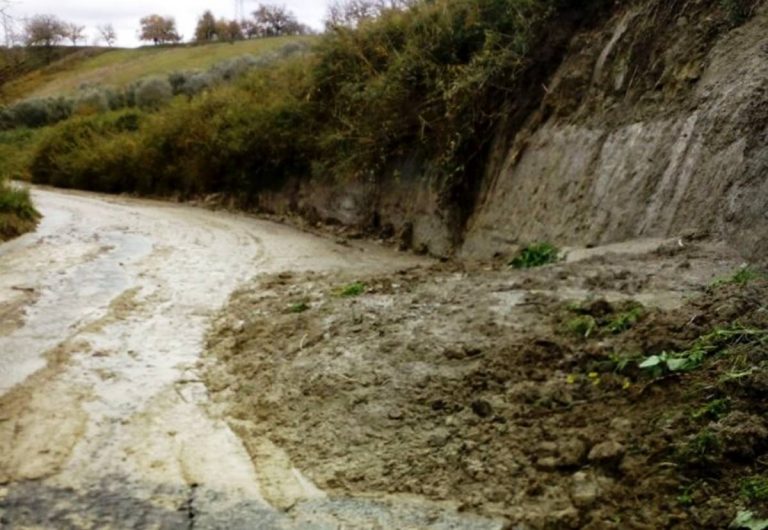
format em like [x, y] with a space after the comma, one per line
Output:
[514, 393]
[647, 123]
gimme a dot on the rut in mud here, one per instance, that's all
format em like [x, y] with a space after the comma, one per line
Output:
[515, 394]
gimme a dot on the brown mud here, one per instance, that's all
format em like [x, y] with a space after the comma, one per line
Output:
[513, 393]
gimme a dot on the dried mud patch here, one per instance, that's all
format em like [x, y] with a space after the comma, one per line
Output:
[474, 385]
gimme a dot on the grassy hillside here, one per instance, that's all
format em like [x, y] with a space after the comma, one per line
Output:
[118, 67]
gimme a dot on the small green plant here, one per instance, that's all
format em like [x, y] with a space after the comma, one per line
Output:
[704, 347]
[714, 410]
[686, 494]
[744, 276]
[625, 320]
[749, 521]
[352, 290]
[299, 307]
[536, 255]
[701, 448]
[582, 325]
[755, 489]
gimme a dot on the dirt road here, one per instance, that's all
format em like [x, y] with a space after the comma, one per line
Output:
[104, 420]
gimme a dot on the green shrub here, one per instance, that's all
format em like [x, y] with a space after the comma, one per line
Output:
[97, 152]
[153, 93]
[536, 255]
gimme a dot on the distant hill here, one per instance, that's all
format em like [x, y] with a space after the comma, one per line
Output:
[72, 68]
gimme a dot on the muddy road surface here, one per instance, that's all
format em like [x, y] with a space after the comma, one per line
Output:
[104, 419]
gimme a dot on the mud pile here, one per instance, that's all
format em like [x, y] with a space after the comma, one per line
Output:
[516, 394]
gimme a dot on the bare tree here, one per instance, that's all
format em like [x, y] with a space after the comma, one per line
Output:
[273, 20]
[75, 33]
[158, 29]
[108, 34]
[44, 30]
[350, 13]
[7, 24]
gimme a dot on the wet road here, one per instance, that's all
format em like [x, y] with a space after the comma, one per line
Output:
[104, 422]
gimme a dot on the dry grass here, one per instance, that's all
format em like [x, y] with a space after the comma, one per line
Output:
[120, 67]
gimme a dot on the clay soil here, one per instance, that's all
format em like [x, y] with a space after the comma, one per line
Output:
[515, 393]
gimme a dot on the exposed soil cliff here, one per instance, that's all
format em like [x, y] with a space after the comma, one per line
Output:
[653, 123]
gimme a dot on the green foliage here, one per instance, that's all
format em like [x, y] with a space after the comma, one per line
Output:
[238, 139]
[743, 276]
[16, 201]
[701, 448]
[714, 410]
[352, 290]
[151, 94]
[625, 320]
[604, 319]
[749, 521]
[431, 79]
[705, 346]
[535, 255]
[299, 307]
[15, 152]
[90, 152]
[755, 489]
[582, 325]
[428, 82]
[17, 214]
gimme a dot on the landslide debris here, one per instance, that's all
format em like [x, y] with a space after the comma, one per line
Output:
[482, 385]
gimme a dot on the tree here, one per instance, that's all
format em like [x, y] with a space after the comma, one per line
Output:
[350, 13]
[158, 29]
[273, 21]
[7, 24]
[108, 34]
[229, 30]
[44, 30]
[206, 30]
[74, 33]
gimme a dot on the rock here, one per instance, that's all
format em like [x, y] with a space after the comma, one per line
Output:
[585, 490]
[482, 408]
[395, 414]
[609, 452]
[548, 463]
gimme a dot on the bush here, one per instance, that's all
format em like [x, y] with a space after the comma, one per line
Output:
[17, 214]
[536, 255]
[153, 93]
[94, 152]
[91, 101]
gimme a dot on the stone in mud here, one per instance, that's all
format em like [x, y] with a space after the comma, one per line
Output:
[585, 490]
[482, 408]
[607, 453]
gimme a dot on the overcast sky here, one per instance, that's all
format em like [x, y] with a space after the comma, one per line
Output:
[125, 15]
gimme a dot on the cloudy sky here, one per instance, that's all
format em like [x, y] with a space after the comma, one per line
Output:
[125, 15]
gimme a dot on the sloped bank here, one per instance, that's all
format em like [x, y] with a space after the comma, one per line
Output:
[652, 125]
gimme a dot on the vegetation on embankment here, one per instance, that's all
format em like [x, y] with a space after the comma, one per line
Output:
[428, 85]
[17, 215]
[115, 67]
[429, 81]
